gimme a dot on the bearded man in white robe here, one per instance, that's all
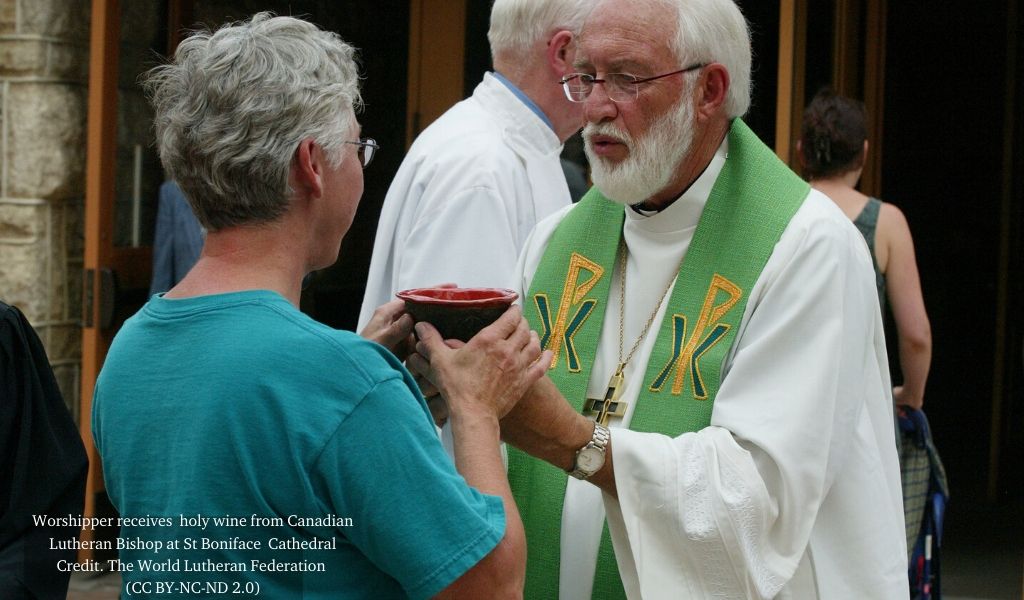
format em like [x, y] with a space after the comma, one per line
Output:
[719, 392]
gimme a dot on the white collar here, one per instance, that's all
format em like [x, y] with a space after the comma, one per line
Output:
[524, 130]
[685, 211]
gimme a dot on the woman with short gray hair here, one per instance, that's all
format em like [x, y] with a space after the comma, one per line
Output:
[230, 112]
[221, 399]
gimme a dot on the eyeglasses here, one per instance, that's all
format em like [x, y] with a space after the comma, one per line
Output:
[368, 148]
[620, 87]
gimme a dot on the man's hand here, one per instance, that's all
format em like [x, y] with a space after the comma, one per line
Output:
[490, 373]
[391, 327]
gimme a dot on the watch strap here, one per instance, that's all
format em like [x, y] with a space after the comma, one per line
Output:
[602, 435]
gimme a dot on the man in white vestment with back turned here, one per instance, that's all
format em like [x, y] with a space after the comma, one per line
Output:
[478, 179]
[719, 391]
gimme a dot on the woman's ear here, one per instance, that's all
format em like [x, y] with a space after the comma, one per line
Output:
[308, 168]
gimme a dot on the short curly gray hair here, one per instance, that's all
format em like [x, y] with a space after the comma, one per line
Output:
[233, 105]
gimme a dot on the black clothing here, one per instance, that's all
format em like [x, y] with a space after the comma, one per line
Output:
[43, 465]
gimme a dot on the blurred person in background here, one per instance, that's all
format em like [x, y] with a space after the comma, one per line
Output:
[833, 148]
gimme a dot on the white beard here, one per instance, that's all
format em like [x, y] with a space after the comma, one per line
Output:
[652, 160]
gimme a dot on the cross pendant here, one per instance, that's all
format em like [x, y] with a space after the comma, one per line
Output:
[610, 405]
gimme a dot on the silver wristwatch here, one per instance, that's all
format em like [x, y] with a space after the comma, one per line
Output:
[590, 458]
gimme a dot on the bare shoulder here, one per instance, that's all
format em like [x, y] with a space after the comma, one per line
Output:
[891, 212]
[894, 244]
[892, 223]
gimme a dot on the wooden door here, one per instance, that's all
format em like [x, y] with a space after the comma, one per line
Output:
[842, 44]
[436, 55]
[122, 176]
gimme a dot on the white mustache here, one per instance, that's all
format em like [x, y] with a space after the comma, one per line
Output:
[608, 130]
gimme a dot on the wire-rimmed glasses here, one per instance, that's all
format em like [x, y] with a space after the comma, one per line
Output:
[368, 148]
[620, 87]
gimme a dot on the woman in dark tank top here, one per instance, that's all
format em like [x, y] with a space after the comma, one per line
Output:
[832, 149]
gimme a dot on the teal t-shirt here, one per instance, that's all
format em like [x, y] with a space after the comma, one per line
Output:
[315, 442]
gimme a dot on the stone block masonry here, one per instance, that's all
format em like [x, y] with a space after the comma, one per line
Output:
[44, 56]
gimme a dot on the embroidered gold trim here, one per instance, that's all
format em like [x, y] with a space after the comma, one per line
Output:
[578, 264]
[688, 358]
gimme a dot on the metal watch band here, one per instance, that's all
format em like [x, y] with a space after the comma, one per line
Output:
[602, 435]
[598, 441]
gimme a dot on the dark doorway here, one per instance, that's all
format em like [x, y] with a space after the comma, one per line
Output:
[763, 19]
[943, 149]
[380, 30]
[951, 162]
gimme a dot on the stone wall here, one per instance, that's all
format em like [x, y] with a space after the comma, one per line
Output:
[44, 50]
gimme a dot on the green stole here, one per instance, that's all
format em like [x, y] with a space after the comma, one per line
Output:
[752, 201]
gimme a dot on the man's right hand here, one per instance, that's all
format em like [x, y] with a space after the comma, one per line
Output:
[490, 373]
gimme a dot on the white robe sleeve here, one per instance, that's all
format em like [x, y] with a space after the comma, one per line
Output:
[728, 512]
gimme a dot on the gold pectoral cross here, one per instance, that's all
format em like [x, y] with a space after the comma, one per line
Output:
[610, 405]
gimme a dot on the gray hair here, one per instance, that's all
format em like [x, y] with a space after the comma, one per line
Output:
[233, 106]
[516, 25]
[715, 31]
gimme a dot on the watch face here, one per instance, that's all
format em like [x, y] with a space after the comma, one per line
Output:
[590, 459]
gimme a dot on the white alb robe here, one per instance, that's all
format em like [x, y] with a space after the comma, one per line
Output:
[793, 491]
[468, 193]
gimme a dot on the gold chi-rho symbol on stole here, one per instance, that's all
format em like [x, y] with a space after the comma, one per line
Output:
[562, 329]
[706, 333]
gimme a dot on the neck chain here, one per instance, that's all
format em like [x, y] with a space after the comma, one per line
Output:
[611, 406]
[622, 310]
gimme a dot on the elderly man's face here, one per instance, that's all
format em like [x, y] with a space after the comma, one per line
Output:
[635, 148]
